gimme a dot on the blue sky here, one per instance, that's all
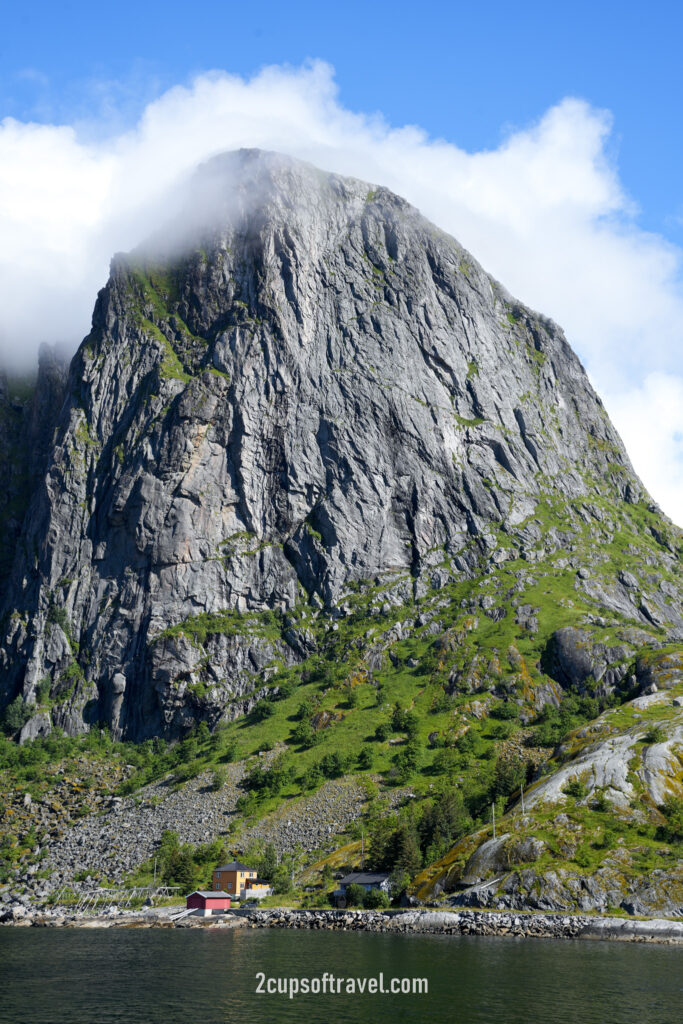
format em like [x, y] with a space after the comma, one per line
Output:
[462, 71]
[546, 138]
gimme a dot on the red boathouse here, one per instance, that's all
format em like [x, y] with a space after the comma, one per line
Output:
[208, 902]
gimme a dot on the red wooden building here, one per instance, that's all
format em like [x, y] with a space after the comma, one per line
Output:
[208, 902]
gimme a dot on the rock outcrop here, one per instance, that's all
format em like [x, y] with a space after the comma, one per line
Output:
[312, 389]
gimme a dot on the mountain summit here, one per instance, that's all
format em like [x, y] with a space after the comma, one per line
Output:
[306, 404]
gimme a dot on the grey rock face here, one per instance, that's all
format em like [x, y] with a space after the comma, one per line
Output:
[29, 410]
[318, 387]
[577, 661]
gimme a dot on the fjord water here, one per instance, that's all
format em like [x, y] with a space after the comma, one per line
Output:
[209, 977]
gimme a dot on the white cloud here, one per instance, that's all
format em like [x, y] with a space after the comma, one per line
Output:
[544, 212]
[649, 417]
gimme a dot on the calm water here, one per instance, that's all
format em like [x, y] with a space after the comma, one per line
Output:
[194, 977]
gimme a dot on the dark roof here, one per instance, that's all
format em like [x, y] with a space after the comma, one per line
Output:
[364, 878]
[208, 893]
[234, 865]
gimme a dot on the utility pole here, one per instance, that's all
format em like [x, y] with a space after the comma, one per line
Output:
[493, 817]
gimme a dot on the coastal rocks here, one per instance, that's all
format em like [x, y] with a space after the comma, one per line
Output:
[470, 922]
[611, 886]
[427, 922]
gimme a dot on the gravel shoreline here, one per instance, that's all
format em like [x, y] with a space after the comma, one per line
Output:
[461, 922]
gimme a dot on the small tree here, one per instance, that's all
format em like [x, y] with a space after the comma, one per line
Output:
[400, 880]
[183, 868]
[673, 812]
[16, 715]
[327, 875]
[203, 733]
[352, 697]
[282, 879]
[267, 867]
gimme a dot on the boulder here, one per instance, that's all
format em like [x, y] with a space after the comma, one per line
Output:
[37, 725]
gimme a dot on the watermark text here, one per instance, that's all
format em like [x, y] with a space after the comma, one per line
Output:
[332, 984]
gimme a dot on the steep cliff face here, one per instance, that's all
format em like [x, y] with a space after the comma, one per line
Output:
[315, 392]
[29, 411]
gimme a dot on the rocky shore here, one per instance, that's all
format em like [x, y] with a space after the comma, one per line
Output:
[414, 921]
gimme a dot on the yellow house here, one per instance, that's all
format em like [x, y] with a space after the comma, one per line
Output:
[233, 878]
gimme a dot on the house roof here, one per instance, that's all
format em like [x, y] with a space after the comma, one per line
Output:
[234, 865]
[211, 894]
[364, 878]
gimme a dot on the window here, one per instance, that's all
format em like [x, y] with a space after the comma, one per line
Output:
[229, 885]
[216, 886]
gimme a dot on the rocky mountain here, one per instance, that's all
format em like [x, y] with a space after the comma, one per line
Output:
[304, 413]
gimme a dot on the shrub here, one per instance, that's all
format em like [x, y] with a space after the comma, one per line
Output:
[228, 754]
[376, 899]
[355, 895]
[264, 709]
[404, 720]
[312, 777]
[187, 772]
[673, 812]
[575, 788]
[365, 759]
[219, 779]
[43, 690]
[582, 857]
[246, 804]
[408, 759]
[285, 689]
[505, 711]
[600, 802]
[445, 761]
[305, 709]
[334, 765]
[304, 734]
[655, 734]
[382, 732]
[608, 840]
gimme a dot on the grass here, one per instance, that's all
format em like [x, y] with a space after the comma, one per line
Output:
[199, 628]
